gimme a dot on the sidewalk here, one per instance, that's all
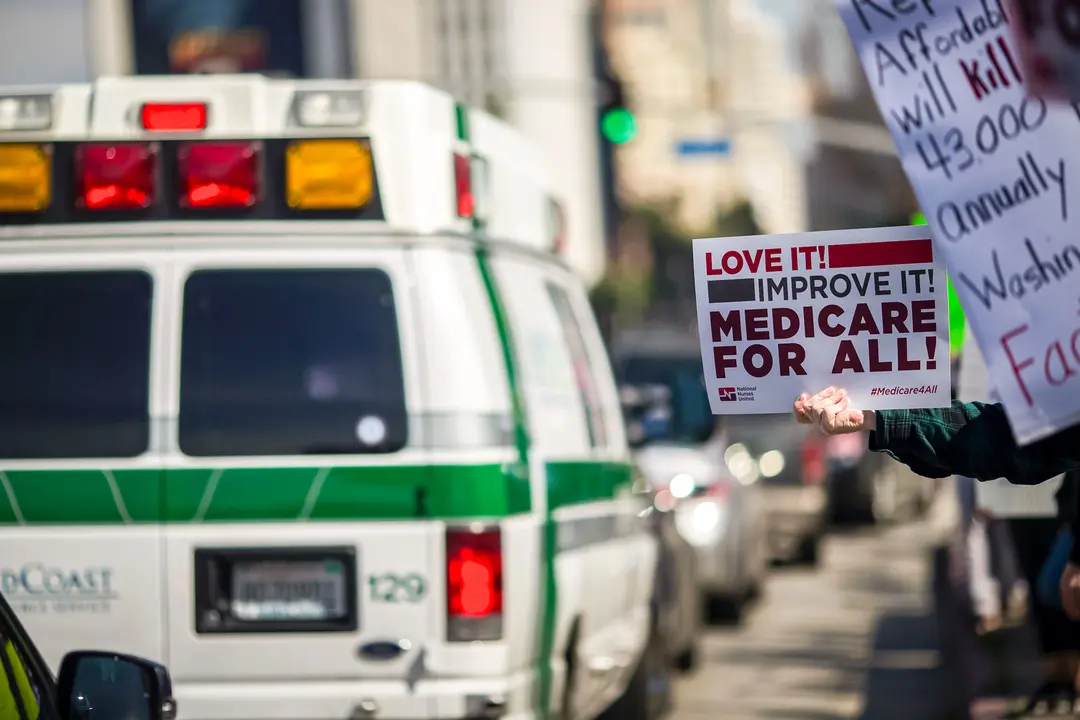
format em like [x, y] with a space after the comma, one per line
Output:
[904, 678]
[934, 660]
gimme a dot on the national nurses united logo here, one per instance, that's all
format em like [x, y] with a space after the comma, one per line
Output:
[737, 394]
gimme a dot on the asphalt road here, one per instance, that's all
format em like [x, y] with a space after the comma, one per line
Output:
[854, 638]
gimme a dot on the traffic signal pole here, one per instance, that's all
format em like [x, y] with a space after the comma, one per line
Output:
[615, 124]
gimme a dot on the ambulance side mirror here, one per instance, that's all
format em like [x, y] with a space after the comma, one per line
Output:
[97, 685]
[635, 434]
[630, 401]
[647, 414]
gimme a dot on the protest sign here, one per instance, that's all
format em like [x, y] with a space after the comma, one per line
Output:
[865, 310]
[994, 169]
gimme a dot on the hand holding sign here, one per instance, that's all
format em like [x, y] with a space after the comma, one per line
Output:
[831, 411]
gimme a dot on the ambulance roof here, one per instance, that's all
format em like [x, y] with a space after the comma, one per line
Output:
[427, 165]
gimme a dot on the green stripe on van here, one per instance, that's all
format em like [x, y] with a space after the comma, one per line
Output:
[69, 497]
[545, 636]
[259, 494]
[574, 483]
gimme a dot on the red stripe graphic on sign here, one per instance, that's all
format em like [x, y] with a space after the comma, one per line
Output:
[894, 252]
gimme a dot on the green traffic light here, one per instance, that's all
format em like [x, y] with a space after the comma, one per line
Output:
[618, 125]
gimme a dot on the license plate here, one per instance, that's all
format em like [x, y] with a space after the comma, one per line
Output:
[277, 591]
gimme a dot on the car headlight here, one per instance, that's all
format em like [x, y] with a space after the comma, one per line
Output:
[682, 486]
[742, 464]
[705, 517]
[771, 463]
[702, 523]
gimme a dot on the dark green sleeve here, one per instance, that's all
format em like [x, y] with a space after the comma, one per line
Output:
[972, 439]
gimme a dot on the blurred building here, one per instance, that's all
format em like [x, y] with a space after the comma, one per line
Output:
[529, 61]
[702, 74]
[456, 45]
[855, 178]
[48, 42]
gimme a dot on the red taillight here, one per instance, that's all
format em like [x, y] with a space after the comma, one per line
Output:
[474, 584]
[850, 446]
[466, 201]
[115, 177]
[174, 117]
[719, 489]
[814, 464]
[215, 175]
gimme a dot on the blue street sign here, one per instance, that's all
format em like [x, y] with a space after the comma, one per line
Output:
[714, 146]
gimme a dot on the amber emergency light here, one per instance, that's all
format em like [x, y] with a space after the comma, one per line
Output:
[25, 178]
[328, 175]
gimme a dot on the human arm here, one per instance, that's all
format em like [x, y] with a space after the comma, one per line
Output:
[972, 439]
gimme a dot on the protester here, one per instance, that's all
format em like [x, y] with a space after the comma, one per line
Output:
[999, 587]
[1013, 532]
[971, 439]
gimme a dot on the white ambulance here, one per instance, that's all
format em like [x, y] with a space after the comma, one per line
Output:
[297, 398]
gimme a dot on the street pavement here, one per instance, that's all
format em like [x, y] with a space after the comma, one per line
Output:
[854, 638]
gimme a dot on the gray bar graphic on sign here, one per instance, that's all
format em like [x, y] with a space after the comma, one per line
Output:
[729, 291]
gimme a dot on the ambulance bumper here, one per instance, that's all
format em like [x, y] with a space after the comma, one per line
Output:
[451, 698]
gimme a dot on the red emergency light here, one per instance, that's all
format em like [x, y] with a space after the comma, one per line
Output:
[115, 176]
[219, 174]
[174, 117]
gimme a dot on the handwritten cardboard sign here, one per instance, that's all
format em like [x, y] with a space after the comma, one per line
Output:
[779, 315]
[996, 172]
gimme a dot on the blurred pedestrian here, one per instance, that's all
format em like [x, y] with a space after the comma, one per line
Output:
[999, 588]
[974, 439]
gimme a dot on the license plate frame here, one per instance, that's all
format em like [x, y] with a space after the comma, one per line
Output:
[214, 572]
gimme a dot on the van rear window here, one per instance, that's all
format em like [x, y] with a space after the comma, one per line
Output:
[74, 364]
[290, 362]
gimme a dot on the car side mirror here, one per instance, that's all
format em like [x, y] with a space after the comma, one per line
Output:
[636, 437]
[96, 685]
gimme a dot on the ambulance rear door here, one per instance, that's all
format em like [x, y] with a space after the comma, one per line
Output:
[298, 541]
[80, 461]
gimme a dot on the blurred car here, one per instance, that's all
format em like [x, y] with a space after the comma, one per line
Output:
[91, 684]
[681, 454]
[789, 462]
[677, 597]
[870, 487]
